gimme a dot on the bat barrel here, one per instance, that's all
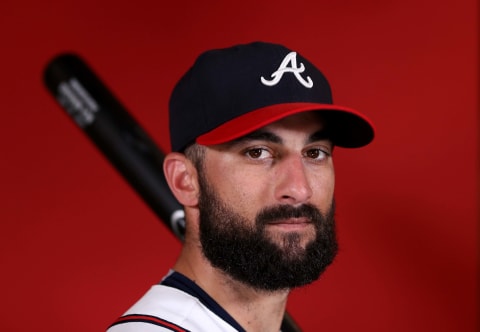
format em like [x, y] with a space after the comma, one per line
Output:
[115, 132]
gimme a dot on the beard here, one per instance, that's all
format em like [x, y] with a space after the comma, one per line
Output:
[247, 254]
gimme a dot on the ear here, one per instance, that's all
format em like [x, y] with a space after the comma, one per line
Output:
[181, 177]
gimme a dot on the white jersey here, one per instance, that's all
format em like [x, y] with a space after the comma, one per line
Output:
[176, 304]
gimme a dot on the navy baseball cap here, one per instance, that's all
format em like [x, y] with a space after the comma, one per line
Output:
[231, 92]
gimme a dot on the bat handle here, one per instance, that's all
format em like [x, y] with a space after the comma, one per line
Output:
[289, 324]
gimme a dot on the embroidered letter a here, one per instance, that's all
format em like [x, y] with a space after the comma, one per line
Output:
[277, 75]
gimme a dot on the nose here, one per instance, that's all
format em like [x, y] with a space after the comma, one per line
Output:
[292, 183]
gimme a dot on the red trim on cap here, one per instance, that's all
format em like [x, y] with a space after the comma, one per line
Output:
[261, 117]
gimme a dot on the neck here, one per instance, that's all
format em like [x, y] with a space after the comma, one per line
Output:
[253, 309]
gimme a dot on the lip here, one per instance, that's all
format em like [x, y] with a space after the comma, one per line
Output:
[291, 223]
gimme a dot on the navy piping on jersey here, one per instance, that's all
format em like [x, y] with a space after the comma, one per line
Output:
[150, 320]
[179, 281]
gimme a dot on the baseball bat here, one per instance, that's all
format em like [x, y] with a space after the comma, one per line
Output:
[120, 138]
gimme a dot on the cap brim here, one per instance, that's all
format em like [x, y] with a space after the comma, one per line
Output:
[347, 127]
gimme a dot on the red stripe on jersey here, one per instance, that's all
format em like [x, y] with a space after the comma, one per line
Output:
[149, 319]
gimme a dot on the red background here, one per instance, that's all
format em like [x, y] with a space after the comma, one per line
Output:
[78, 246]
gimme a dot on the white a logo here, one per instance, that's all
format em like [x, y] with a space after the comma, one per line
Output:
[277, 75]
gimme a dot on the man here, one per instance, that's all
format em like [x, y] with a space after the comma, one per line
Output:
[253, 130]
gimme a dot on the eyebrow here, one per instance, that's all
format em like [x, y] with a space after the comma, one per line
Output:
[320, 135]
[263, 135]
[260, 135]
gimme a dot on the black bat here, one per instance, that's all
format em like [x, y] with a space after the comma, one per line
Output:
[116, 133]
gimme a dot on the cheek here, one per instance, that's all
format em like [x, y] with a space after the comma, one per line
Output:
[323, 186]
[241, 190]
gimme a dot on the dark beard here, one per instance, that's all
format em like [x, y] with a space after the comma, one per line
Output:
[246, 253]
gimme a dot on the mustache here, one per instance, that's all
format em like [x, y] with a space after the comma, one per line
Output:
[285, 211]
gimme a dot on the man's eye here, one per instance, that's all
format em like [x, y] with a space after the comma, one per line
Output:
[316, 154]
[257, 153]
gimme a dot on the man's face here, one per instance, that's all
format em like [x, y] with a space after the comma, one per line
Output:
[266, 204]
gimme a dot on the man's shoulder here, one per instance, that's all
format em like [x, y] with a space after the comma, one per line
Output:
[164, 308]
